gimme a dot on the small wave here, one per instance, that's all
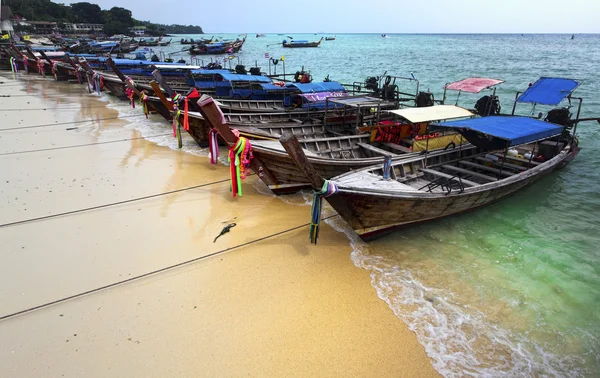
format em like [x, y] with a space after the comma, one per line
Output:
[458, 338]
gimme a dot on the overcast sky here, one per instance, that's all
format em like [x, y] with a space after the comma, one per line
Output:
[371, 16]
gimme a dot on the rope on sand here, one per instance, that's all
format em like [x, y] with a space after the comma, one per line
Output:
[81, 145]
[109, 204]
[72, 123]
[154, 272]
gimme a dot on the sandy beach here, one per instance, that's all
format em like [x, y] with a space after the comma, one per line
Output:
[267, 304]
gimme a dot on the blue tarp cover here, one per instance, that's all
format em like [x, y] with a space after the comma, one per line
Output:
[131, 62]
[237, 77]
[516, 130]
[209, 72]
[548, 91]
[273, 87]
[326, 86]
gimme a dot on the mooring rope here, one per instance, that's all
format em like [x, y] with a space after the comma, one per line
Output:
[72, 122]
[110, 204]
[144, 275]
[81, 145]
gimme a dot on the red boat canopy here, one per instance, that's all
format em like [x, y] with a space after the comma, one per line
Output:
[473, 84]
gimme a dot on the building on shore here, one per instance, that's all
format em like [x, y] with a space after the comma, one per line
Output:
[42, 27]
[138, 31]
[6, 20]
[82, 28]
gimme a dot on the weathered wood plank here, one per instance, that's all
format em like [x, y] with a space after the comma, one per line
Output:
[375, 150]
[471, 173]
[447, 176]
[486, 168]
[398, 147]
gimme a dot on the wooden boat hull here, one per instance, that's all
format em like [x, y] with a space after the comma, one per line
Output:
[290, 179]
[64, 73]
[372, 214]
[250, 126]
[115, 86]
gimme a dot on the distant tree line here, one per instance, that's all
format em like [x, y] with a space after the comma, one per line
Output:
[116, 20]
[159, 29]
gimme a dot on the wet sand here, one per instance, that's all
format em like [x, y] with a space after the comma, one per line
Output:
[274, 307]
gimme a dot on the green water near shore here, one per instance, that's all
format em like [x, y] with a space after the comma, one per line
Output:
[514, 288]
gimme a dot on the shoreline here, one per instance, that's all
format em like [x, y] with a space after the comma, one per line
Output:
[274, 307]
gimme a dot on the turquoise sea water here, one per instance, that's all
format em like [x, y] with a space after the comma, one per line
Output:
[511, 289]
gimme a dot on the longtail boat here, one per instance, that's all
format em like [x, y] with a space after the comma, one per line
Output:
[300, 43]
[191, 41]
[507, 153]
[217, 48]
[486, 105]
[335, 155]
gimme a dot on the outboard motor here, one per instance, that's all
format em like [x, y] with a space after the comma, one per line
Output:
[154, 58]
[169, 60]
[214, 66]
[241, 69]
[488, 106]
[372, 83]
[424, 99]
[559, 116]
[255, 71]
[302, 77]
[182, 61]
[388, 92]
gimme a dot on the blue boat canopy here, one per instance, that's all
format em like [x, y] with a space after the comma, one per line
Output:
[209, 72]
[326, 86]
[237, 77]
[548, 91]
[507, 131]
[131, 62]
[273, 87]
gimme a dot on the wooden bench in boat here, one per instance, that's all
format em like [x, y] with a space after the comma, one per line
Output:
[366, 180]
[499, 163]
[470, 173]
[397, 147]
[275, 145]
[375, 150]
[447, 176]
[514, 158]
[486, 168]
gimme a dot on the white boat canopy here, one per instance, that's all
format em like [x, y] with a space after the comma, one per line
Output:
[432, 113]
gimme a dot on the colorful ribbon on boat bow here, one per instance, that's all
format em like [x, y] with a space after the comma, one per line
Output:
[98, 82]
[78, 70]
[129, 92]
[327, 190]
[144, 103]
[175, 100]
[54, 70]
[213, 146]
[13, 65]
[239, 160]
[41, 67]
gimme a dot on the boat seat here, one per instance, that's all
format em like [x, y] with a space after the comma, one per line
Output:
[486, 168]
[397, 147]
[514, 158]
[470, 173]
[447, 176]
[375, 150]
[369, 181]
[499, 163]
